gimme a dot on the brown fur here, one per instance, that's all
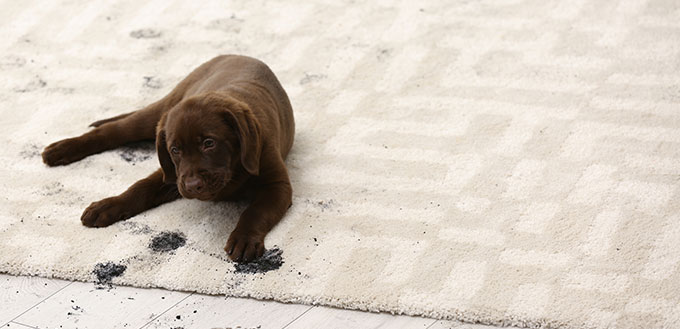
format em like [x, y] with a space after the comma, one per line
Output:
[222, 134]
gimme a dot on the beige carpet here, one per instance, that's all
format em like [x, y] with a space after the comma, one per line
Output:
[503, 162]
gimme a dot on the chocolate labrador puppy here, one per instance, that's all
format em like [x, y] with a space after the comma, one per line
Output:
[221, 134]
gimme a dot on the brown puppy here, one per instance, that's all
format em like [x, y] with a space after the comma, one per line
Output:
[222, 134]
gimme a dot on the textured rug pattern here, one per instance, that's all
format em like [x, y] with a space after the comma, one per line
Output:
[504, 162]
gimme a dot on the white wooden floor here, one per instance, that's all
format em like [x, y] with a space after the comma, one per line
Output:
[31, 302]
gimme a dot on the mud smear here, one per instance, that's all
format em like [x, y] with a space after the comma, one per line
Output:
[30, 151]
[152, 82]
[33, 85]
[53, 188]
[270, 260]
[145, 34]
[12, 61]
[137, 228]
[323, 205]
[383, 54]
[105, 272]
[167, 241]
[230, 24]
[312, 78]
[137, 152]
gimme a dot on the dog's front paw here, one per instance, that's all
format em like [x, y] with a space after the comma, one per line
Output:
[104, 213]
[244, 246]
[62, 152]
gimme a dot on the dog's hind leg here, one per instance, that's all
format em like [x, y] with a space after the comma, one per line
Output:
[108, 134]
[107, 120]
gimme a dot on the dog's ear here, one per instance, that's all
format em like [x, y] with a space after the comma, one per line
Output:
[168, 167]
[242, 118]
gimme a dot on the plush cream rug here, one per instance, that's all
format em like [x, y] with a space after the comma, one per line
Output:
[504, 162]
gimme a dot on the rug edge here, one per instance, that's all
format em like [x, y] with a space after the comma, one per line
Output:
[492, 318]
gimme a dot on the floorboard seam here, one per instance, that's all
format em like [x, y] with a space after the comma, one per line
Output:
[299, 316]
[432, 324]
[21, 324]
[38, 303]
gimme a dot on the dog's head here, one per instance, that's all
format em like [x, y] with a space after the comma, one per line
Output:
[204, 140]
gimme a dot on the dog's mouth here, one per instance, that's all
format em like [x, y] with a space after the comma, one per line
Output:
[213, 183]
[201, 196]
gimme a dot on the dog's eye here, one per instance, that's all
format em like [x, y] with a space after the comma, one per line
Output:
[208, 143]
[174, 150]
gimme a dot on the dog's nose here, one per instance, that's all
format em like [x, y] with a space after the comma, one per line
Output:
[194, 185]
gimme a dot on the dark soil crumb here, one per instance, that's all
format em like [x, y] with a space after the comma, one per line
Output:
[105, 272]
[167, 241]
[271, 260]
[137, 152]
[145, 34]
